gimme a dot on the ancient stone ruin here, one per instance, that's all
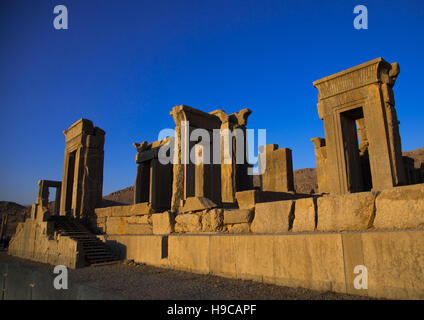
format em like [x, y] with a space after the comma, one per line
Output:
[206, 216]
[358, 104]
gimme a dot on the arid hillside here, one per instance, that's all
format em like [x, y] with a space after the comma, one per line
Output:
[15, 212]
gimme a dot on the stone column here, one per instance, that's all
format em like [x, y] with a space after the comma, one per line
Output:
[321, 161]
[278, 175]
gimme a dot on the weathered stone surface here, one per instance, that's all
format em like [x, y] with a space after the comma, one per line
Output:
[319, 261]
[120, 211]
[189, 252]
[188, 223]
[124, 211]
[141, 249]
[103, 212]
[321, 161]
[304, 215]
[395, 262]
[278, 173]
[273, 217]
[400, 208]
[144, 219]
[197, 204]
[246, 199]
[116, 225]
[35, 241]
[240, 228]
[139, 229]
[163, 223]
[212, 220]
[232, 216]
[349, 212]
[140, 209]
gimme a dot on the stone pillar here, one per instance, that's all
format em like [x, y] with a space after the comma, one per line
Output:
[82, 181]
[321, 161]
[234, 176]
[244, 181]
[187, 120]
[361, 98]
[278, 175]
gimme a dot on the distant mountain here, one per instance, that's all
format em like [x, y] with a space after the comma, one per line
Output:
[417, 155]
[124, 196]
[16, 213]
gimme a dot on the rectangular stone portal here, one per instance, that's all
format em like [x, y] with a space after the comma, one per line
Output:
[362, 148]
[153, 184]
[82, 181]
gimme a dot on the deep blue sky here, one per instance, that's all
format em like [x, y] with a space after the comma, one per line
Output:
[124, 64]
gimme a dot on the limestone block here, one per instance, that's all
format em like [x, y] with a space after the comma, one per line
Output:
[349, 212]
[278, 175]
[232, 216]
[144, 219]
[240, 228]
[212, 220]
[395, 263]
[222, 253]
[312, 261]
[163, 223]
[246, 199]
[189, 252]
[139, 229]
[188, 222]
[116, 225]
[103, 212]
[141, 209]
[34, 241]
[197, 204]
[120, 211]
[304, 215]
[400, 208]
[142, 248]
[101, 219]
[273, 217]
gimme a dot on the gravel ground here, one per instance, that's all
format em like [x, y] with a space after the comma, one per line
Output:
[143, 282]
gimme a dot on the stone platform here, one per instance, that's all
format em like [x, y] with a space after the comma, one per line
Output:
[319, 261]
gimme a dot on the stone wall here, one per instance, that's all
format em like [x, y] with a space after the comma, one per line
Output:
[319, 261]
[398, 208]
[35, 240]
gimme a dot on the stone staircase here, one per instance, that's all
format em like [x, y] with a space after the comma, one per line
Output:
[96, 253]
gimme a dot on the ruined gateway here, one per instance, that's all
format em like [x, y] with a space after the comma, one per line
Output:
[208, 218]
